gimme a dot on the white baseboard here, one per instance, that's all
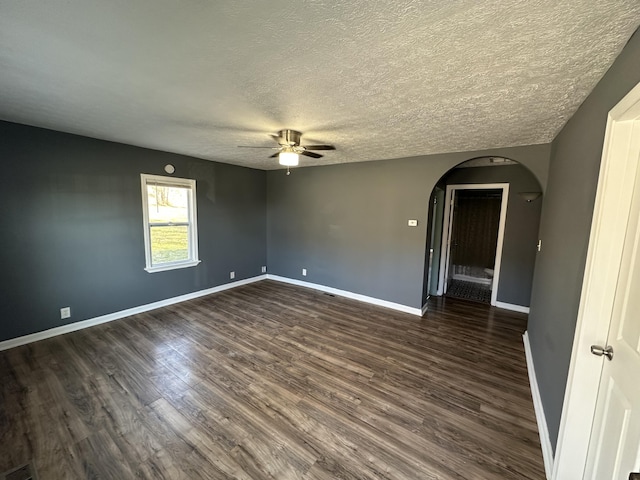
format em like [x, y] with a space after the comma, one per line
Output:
[512, 307]
[425, 307]
[347, 294]
[72, 327]
[543, 430]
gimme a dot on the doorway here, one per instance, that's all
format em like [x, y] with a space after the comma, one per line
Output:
[434, 239]
[472, 241]
[600, 427]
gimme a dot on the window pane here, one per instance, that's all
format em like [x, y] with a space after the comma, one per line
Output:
[168, 204]
[170, 223]
[169, 244]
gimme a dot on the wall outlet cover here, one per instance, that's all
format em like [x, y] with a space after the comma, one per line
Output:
[65, 312]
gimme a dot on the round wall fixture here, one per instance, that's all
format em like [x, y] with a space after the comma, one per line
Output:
[169, 168]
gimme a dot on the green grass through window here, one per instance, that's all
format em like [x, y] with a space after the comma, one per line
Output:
[169, 244]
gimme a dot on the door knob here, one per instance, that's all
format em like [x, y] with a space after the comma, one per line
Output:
[606, 351]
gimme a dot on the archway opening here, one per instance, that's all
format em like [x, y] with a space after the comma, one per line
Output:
[482, 233]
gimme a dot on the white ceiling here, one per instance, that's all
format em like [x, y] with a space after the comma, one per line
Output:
[379, 79]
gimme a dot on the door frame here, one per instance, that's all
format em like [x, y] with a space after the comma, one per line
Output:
[447, 227]
[620, 159]
[434, 249]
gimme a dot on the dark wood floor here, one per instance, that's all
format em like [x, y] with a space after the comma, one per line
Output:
[271, 381]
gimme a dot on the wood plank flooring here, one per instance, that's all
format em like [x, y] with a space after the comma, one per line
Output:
[272, 381]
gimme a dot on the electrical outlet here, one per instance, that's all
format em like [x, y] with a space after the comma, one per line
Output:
[232, 275]
[304, 272]
[65, 312]
[264, 269]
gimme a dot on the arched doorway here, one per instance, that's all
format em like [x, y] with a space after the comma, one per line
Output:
[482, 233]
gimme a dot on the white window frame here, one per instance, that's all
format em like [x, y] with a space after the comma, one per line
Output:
[189, 184]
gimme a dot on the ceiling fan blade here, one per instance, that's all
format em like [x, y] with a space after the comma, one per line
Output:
[319, 147]
[274, 155]
[310, 154]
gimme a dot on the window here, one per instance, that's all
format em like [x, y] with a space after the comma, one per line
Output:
[169, 212]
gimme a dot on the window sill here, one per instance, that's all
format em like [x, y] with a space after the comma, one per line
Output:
[172, 266]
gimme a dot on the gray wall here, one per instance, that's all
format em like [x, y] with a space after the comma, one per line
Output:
[521, 229]
[564, 230]
[347, 224]
[72, 231]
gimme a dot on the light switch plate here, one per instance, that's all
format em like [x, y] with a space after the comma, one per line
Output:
[413, 223]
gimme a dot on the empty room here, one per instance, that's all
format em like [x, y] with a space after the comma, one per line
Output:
[320, 240]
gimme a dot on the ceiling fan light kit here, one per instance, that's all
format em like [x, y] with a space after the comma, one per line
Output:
[288, 158]
[289, 148]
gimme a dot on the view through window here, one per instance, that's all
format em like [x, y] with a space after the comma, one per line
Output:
[170, 222]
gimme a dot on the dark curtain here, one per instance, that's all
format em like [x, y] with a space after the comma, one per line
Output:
[475, 228]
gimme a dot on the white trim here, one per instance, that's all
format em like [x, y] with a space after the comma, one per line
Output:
[72, 327]
[620, 159]
[543, 430]
[425, 307]
[513, 307]
[448, 224]
[171, 266]
[501, 229]
[347, 294]
[444, 243]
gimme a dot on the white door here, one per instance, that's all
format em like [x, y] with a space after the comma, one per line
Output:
[599, 434]
[615, 440]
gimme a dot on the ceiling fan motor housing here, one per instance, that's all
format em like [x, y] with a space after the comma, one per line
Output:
[289, 137]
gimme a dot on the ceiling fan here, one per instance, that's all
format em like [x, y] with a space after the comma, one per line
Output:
[289, 148]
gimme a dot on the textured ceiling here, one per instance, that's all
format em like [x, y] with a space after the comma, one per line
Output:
[379, 79]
